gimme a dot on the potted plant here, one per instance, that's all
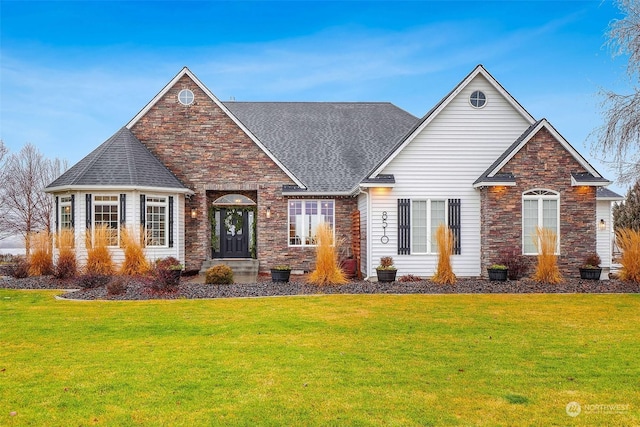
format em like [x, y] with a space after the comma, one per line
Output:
[280, 273]
[386, 271]
[498, 272]
[591, 270]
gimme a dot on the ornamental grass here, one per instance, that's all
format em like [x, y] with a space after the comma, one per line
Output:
[444, 272]
[135, 263]
[547, 270]
[629, 243]
[40, 254]
[99, 259]
[66, 266]
[327, 271]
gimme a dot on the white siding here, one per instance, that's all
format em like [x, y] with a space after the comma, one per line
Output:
[442, 162]
[132, 223]
[604, 238]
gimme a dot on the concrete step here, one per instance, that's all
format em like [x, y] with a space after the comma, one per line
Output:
[244, 270]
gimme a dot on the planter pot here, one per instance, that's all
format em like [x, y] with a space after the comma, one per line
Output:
[498, 274]
[386, 275]
[281, 276]
[590, 273]
[349, 267]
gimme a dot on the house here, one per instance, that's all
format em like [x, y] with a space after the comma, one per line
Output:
[210, 181]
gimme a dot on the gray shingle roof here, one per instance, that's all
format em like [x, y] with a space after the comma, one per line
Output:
[329, 146]
[121, 161]
[603, 193]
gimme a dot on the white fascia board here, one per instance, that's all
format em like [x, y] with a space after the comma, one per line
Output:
[186, 71]
[494, 184]
[116, 188]
[445, 102]
[377, 185]
[575, 183]
[609, 199]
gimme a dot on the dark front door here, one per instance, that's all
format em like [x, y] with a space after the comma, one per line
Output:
[234, 233]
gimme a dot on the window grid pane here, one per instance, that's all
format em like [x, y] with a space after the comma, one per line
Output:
[437, 217]
[419, 226]
[156, 221]
[304, 218]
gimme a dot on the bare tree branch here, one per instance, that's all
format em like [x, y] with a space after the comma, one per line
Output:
[619, 137]
[26, 208]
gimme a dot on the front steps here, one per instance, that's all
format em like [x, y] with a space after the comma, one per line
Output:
[245, 270]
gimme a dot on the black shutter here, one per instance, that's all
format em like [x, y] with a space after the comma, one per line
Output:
[73, 211]
[123, 210]
[88, 209]
[454, 224]
[170, 221]
[404, 226]
[143, 210]
[57, 214]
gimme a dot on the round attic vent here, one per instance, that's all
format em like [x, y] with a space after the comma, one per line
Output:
[478, 99]
[185, 97]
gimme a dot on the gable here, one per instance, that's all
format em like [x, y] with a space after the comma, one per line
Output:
[202, 143]
[502, 114]
[544, 142]
[168, 97]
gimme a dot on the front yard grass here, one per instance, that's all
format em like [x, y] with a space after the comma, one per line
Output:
[498, 360]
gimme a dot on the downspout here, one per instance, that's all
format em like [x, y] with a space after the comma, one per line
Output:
[368, 234]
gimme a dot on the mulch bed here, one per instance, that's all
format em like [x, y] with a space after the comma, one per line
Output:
[139, 289]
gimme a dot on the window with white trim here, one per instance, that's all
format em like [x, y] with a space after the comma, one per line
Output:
[66, 215]
[426, 217]
[105, 212]
[540, 208]
[304, 218]
[156, 221]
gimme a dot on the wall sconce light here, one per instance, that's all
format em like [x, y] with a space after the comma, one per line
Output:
[194, 213]
[268, 211]
[602, 225]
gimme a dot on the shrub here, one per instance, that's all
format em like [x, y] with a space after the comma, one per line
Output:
[92, 280]
[547, 268]
[19, 269]
[444, 272]
[169, 263]
[219, 275]
[409, 278]
[66, 267]
[99, 260]
[517, 263]
[41, 256]
[134, 263]
[117, 286]
[166, 274]
[592, 261]
[629, 244]
[327, 271]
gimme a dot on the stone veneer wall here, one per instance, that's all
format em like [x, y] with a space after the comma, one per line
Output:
[541, 164]
[208, 152]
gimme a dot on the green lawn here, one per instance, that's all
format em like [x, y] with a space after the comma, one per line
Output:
[330, 360]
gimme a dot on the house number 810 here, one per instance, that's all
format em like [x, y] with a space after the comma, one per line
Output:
[384, 239]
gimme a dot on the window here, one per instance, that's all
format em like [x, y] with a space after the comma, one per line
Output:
[540, 208]
[66, 213]
[156, 221]
[105, 212]
[418, 221]
[186, 97]
[304, 218]
[427, 215]
[478, 99]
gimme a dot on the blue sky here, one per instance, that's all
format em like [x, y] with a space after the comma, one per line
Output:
[73, 73]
